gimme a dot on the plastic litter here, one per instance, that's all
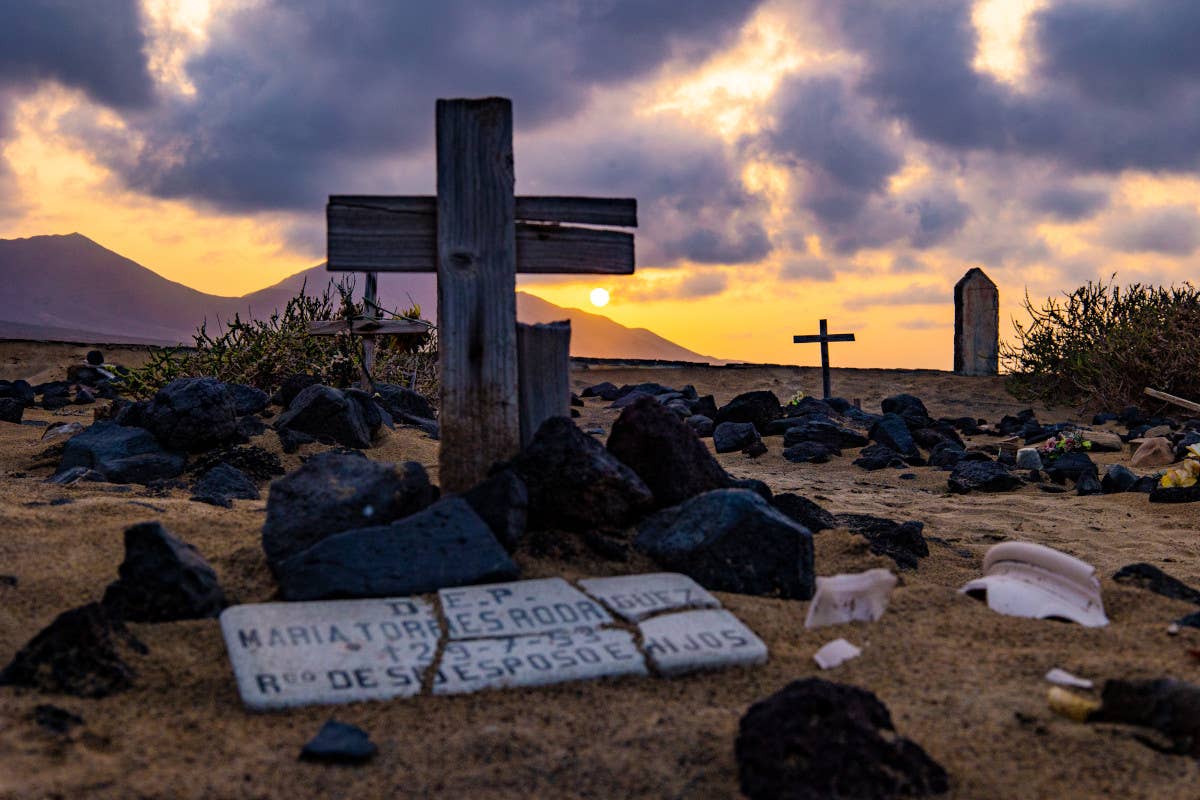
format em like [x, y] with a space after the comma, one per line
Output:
[1071, 705]
[1063, 678]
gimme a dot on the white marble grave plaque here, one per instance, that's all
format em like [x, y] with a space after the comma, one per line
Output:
[635, 597]
[519, 608]
[475, 664]
[337, 651]
[697, 640]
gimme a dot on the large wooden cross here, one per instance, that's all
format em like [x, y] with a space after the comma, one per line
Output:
[477, 236]
[824, 337]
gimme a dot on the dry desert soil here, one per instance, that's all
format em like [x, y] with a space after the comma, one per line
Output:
[961, 680]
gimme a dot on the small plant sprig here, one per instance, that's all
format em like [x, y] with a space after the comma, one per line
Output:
[1070, 442]
[797, 398]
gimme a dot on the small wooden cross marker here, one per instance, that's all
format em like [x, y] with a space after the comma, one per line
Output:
[824, 337]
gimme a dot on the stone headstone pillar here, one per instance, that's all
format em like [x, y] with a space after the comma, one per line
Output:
[976, 325]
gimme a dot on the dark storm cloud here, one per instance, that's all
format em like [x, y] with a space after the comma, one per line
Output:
[1137, 53]
[293, 100]
[846, 155]
[1068, 203]
[1170, 230]
[691, 202]
[940, 215]
[918, 68]
[97, 46]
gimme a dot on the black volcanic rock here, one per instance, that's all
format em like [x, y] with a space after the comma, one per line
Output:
[810, 453]
[502, 501]
[903, 542]
[192, 414]
[162, 579]
[759, 407]
[400, 401]
[732, 540]
[665, 453]
[82, 653]
[1152, 579]
[576, 484]
[334, 492]
[447, 544]
[339, 743]
[347, 417]
[804, 511]
[892, 432]
[121, 454]
[729, 437]
[878, 456]
[247, 399]
[11, 410]
[982, 476]
[817, 740]
[223, 484]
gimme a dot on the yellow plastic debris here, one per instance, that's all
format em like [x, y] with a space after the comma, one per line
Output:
[1070, 705]
[1184, 475]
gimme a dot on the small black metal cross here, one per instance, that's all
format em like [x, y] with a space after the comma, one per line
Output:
[824, 337]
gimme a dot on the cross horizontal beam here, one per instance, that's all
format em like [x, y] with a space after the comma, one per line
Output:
[367, 327]
[823, 337]
[399, 234]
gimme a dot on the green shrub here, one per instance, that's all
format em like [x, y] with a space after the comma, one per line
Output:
[264, 352]
[1102, 345]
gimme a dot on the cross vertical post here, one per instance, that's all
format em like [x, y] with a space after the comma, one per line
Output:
[824, 338]
[476, 287]
[825, 382]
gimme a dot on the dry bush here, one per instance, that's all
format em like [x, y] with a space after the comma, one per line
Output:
[1101, 345]
[264, 352]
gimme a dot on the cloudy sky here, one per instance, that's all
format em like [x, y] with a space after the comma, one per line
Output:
[792, 159]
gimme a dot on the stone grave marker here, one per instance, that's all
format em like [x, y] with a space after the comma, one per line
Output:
[519, 608]
[976, 325]
[700, 640]
[293, 654]
[476, 664]
[635, 597]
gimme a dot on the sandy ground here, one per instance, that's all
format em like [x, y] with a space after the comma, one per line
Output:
[964, 682]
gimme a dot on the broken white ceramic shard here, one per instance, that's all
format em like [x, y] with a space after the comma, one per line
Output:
[837, 652]
[845, 598]
[1030, 580]
[1060, 677]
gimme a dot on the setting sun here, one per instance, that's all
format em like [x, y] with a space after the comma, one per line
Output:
[599, 297]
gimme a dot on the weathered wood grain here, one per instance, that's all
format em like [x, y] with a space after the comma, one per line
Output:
[617, 212]
[476, 266]
[543, 366]
[370, 239]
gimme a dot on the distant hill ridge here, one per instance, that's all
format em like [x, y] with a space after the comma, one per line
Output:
[69, 288]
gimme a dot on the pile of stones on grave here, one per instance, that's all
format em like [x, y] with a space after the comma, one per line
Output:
[1016, 450]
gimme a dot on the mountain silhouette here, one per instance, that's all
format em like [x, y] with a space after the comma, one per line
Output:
[69, 288]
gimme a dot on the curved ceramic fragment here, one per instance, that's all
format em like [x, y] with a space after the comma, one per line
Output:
[844, 598]
[1022, 579]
